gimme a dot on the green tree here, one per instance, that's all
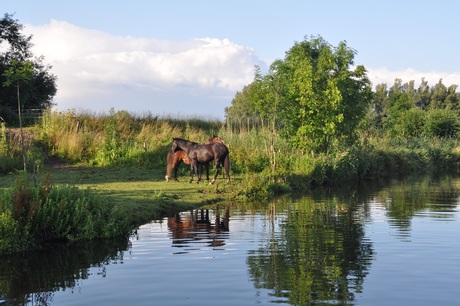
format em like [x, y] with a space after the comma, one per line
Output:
[411, 123]
[438, 96]
[16, 75]
[452, 99]
[41, 88]
[323, 98]
[423, 95]
[242, 107]
[442, 123]
[377, 108]
[397, 105]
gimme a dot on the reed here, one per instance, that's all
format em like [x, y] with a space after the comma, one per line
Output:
[255, 149]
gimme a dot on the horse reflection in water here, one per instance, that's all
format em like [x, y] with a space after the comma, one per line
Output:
[174, 159]
[197, 227]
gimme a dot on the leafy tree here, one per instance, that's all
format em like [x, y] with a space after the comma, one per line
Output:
[312, 97]
[411, 123]
[323, 99]
[438, 96]
[452, 100]
[377, 108]
[423, 95]
[40, 90]
[243, 103]
[397, 105]
[16, 75]
[442, 123]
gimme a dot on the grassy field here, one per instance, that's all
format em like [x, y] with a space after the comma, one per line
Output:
[137, 188]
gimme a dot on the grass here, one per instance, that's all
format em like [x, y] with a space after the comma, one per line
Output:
[139, 187]
[127, 198]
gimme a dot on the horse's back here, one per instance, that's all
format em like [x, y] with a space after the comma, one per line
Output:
[220, 150]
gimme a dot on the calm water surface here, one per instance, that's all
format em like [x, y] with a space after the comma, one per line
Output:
[397, 245]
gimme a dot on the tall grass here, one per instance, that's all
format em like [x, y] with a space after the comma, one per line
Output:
[118, 138]
[264, 160]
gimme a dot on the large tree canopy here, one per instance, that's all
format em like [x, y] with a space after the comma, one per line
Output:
[38, 92]
[314, 95]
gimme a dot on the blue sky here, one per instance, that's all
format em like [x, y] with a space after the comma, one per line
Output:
[188, 58]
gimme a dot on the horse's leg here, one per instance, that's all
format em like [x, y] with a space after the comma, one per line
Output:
[207, 171]
[192, 169]
[176, 167]
[227, 167]
[217, 172]
[196, 172]
[175, 173]
[201, 173]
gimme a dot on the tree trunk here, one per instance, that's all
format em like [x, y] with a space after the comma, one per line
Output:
[20, 129]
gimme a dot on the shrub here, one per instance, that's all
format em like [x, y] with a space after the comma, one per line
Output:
[412, 123]
[442, 123]
[33, 215]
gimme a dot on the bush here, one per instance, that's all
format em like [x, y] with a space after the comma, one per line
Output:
[442, 123]
[33, 215]
[412, 123]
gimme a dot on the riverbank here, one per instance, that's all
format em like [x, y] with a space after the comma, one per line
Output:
[123, 160]
[140, 190]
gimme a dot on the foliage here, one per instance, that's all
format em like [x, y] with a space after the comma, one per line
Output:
[40, 90]
[312, 96]
[410, 124]
[32, 215]
[442, 123]
[18, 74]
[118, 138]
[405, 111]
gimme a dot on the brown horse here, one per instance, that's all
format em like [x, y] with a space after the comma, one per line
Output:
[174, 159]
[202, 154]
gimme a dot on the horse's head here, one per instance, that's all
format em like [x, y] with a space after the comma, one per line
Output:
[180, 144]
[214, 139]
[175, 145]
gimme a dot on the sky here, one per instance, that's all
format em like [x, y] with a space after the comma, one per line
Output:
[189, 58]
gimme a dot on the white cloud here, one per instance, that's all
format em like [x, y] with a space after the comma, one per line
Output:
[97, 70]
[383, 75]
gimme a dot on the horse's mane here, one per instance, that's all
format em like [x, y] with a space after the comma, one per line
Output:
[183, 140]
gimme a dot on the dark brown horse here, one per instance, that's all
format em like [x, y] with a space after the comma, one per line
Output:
[174, 159]
[202, 154]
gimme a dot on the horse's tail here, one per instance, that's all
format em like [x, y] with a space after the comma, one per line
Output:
[169, 164]
[227, 166]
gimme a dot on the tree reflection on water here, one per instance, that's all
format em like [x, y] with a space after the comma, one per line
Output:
[308, 250]
[34, 277]
[317, 252]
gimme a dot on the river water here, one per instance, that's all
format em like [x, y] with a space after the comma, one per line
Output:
[396, 244]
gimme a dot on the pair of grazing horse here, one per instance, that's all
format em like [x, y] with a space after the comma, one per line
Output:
[195, 154]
